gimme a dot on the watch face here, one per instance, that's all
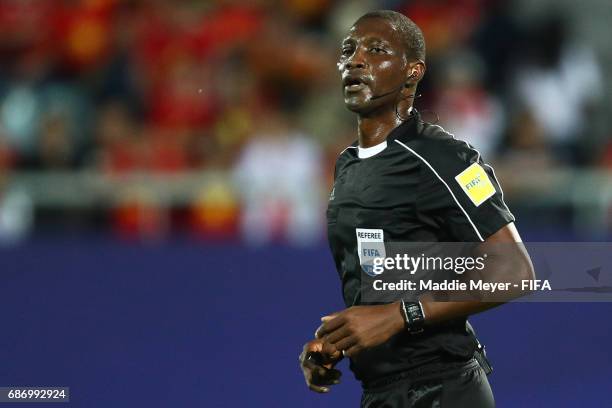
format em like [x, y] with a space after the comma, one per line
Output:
[415, 318]
[414, 310]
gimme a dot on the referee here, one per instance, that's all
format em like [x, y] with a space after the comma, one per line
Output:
[404, 180]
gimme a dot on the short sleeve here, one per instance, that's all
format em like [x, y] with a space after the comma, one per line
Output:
[461, 190]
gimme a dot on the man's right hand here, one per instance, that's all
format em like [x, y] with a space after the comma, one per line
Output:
[317, 361]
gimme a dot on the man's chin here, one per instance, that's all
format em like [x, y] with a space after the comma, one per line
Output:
[357, 106]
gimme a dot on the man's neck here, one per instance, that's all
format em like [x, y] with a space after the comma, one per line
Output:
[374, 129]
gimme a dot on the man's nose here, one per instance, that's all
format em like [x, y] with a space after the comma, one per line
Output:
[356, 60]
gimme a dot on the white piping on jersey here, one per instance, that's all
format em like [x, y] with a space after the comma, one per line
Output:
[447, 187]
[492, 170]
[348, 147]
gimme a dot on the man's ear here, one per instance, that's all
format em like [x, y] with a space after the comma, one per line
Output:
[416, 71]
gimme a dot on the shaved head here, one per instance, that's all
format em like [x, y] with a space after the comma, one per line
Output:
[411, 35]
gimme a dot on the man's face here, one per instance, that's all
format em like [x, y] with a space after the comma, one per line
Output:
[372, 63]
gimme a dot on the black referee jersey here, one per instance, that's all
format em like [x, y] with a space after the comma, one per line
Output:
[425, 186]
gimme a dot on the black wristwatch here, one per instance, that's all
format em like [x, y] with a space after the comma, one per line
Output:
[414, 318]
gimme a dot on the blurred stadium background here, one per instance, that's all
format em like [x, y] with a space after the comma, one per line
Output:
[165, 165]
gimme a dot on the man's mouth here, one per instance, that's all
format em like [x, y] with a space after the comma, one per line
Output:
[354, 85]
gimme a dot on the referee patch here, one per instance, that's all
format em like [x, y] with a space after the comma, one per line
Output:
[370, 245]
[476, 184]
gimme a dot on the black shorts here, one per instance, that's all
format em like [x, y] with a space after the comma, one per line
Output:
[443, 385]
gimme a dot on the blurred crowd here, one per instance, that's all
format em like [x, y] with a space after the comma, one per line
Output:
[251, 89]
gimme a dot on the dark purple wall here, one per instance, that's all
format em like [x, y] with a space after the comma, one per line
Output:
[183, 324]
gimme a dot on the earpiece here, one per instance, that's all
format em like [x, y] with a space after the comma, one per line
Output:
[413, 75]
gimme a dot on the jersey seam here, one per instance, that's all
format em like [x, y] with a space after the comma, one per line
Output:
[447, 187]
[501, 190]
[338, 159]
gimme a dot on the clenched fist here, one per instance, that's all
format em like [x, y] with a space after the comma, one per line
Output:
[317, 361]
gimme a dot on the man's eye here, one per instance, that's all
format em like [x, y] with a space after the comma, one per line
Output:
[377, 49]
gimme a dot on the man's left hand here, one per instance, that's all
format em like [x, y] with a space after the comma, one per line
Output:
[361, 327]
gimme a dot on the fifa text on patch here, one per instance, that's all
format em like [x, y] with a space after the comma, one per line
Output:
[476, 184]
